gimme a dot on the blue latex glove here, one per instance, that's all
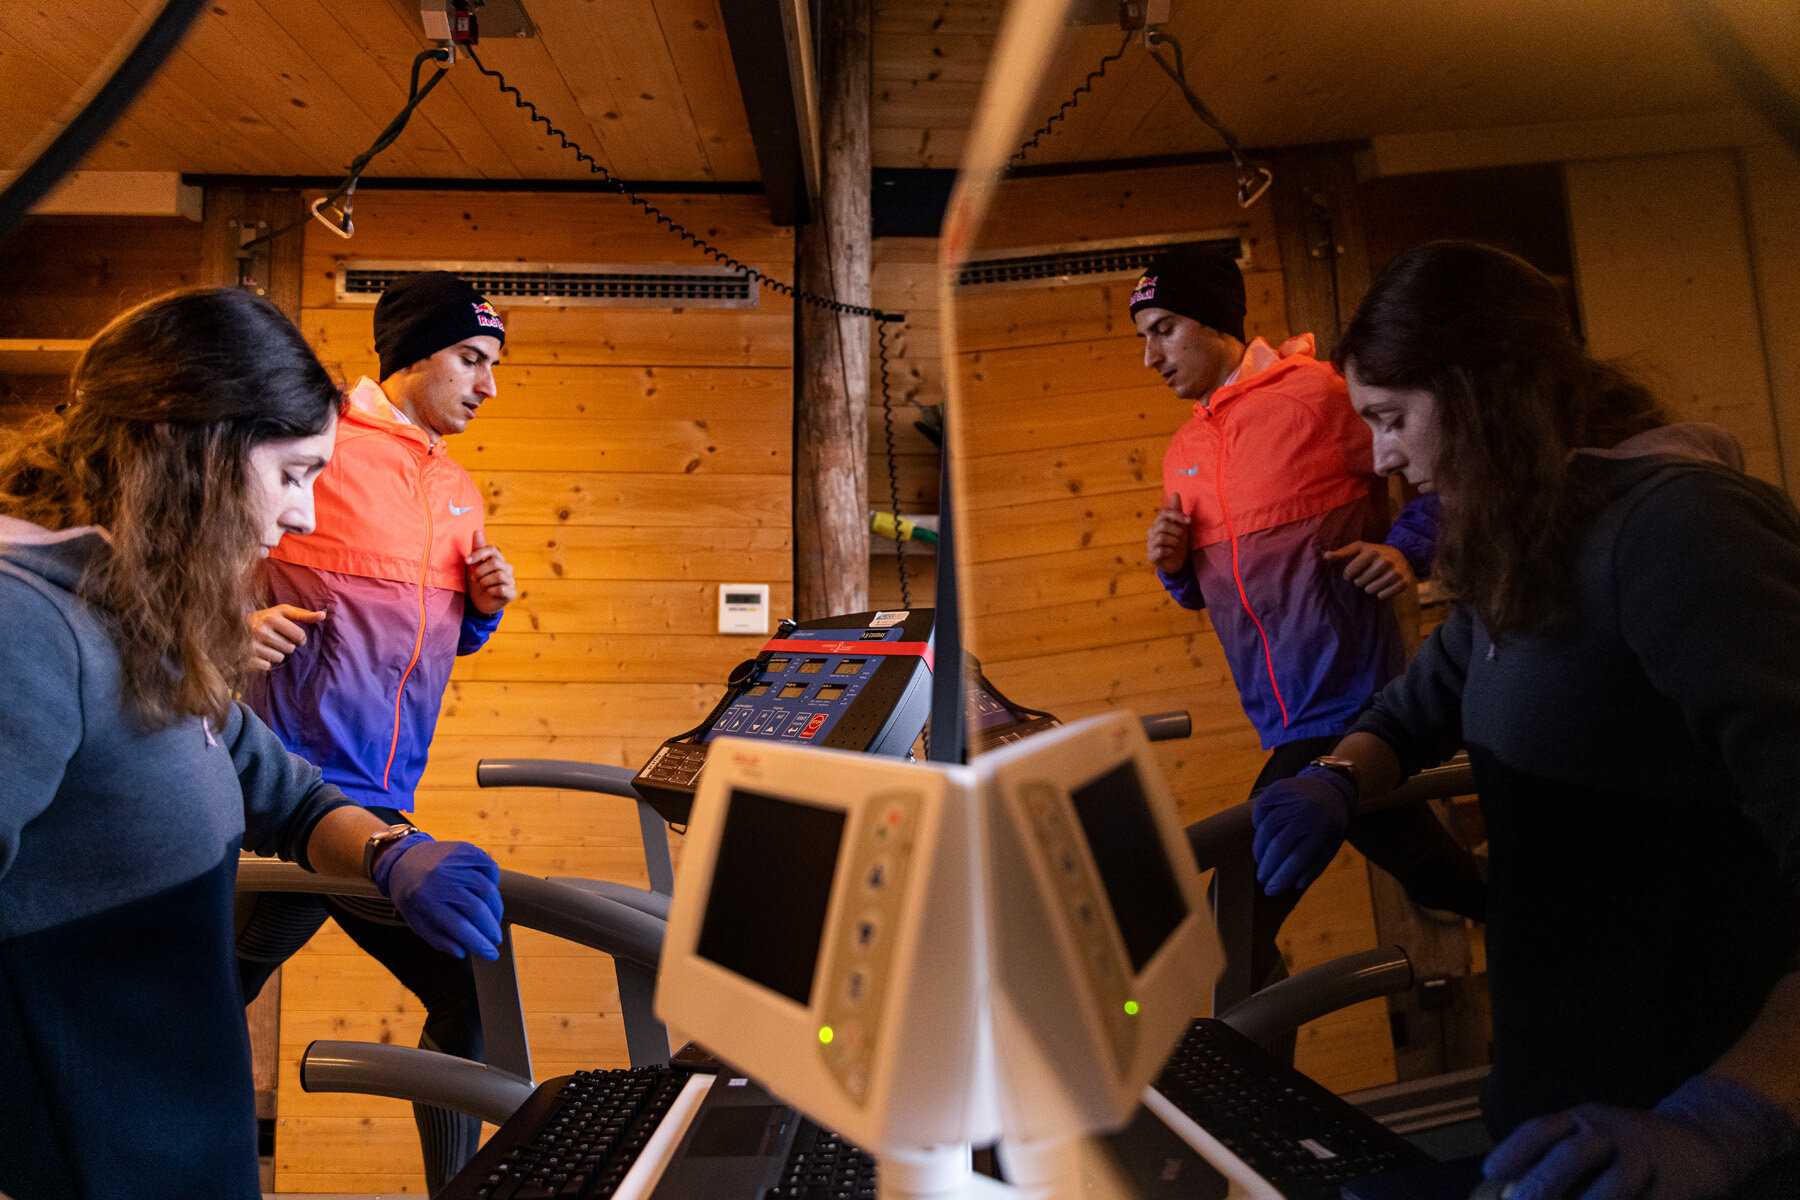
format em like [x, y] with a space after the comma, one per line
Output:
[1704, 1140]
[447, 892]
[1300, 824]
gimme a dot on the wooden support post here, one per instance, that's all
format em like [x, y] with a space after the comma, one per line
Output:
[831, 368]
[1324, 254]
[272, 268]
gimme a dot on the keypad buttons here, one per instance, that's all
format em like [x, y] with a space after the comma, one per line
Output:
[859, 964]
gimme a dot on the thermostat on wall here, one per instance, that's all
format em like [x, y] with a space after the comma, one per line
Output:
[743, 608]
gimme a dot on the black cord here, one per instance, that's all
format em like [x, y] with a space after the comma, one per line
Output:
[415, 95]
[887, 420]
[799, 295]
[1086, 86]
[161, 35]
[677, 228]
[1758, 84]
[1252, 181]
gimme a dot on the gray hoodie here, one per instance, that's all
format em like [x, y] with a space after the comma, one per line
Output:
[1639, 770]
[94, 809]
[124, 1062]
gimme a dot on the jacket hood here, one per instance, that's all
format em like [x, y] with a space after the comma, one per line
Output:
[1666, 445]
[59, 556]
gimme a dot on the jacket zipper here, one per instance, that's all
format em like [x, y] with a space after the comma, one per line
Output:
[419, 637]
[1238, 578]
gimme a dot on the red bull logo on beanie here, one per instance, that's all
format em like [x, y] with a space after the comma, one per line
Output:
[486, 317]
[1145, 290]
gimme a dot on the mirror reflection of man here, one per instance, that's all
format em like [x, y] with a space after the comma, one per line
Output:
[370, 612]
[1275, 523]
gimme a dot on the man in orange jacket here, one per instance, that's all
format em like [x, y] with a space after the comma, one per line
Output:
[371, 611]
[1275, 522]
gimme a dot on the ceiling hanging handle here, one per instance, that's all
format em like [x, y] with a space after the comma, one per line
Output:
[339, 220]
[1252, 184]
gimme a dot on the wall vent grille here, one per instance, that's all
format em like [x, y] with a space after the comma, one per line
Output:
[1088, 260]
[623, 285]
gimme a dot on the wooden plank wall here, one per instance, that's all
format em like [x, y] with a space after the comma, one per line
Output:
[1660, 239]
[633, 460]
[66, 277]
[1061, 438]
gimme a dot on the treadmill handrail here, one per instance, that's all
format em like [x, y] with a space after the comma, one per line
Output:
[575, 914]
[1215, 836]
[571, 775]
[1167, 726]
[1281, 1008]
[410, 1073]
[1221, 844]
[564, 773]
[632, 936]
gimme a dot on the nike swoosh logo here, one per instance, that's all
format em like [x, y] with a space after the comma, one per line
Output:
[1193, 470]
[457, 512]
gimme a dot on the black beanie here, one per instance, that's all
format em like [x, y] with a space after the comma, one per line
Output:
[1194, 283]
[421, 314]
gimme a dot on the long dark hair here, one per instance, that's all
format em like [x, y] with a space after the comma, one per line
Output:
[1488, 335]
[153, 445]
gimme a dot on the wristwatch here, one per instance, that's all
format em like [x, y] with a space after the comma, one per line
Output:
[380, 841]
[1341, 766]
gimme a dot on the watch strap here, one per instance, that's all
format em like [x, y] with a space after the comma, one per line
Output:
[380, 841]
[1342, 767]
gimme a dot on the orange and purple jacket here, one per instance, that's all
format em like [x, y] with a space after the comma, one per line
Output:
[1273, 470]
[396, 517]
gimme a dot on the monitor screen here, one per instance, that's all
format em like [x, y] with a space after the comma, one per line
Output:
[1134, 865]
[771, 889]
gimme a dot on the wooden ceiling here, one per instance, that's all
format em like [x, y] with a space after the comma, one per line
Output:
[299, 87]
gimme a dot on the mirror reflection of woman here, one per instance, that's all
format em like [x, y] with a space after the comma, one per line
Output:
[1623, 667]
[130, 776]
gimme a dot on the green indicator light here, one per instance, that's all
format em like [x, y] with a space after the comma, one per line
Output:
[825, 1035]
[1131, 1008]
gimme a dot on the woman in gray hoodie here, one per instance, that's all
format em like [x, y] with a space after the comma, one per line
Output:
[130, 776]
[1623, 667]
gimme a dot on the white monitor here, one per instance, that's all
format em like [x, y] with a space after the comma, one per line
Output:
[1101, 943]
[825, 937]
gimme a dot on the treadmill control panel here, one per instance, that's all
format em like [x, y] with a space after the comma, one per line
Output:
[860, 682]
[805, 688]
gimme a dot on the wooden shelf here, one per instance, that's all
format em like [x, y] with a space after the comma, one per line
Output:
[40, 356]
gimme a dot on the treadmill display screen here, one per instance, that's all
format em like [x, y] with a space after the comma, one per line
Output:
[988, 713]
[1134, 866]
[771, 890]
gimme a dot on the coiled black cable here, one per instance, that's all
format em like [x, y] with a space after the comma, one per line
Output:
[1083, 88]
[887, 420]
[664, 219]
[798, 295]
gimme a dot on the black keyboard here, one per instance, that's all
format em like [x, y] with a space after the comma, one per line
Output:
[573, 1140]
[823, 1166]
[1303, 1139]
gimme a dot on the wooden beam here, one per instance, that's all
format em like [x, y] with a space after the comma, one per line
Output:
[831, 420]
[771, 49]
